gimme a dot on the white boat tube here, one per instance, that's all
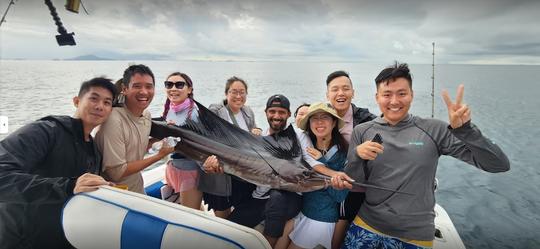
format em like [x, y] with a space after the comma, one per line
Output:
[114, 218]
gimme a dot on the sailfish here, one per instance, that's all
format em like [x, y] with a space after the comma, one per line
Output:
[274, 161]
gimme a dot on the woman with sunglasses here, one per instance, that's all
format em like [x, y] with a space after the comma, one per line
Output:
[181, 173]
[222, 191]
[316, 221]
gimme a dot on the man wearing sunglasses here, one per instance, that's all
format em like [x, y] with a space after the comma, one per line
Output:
[123, 139]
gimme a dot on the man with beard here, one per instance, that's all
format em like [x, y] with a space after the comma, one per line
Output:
[123, 138]
[273, 206]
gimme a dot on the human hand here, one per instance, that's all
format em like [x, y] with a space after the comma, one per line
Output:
[316, 154]
[166, 149]
[89, 182]
[369, 150]
[170, 122]
[458, 113]
[256, 131]
[211, 165]
[340, 181]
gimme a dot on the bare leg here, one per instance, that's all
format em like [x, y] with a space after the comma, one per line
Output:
[284, 241]
[293, 246]
[339, 233]
[271, 240]
[191, 198]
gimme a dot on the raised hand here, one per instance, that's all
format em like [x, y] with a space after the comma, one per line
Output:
[458, 113]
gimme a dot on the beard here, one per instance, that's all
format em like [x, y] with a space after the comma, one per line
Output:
[277, 124]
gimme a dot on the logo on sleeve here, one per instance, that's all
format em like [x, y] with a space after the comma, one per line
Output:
[416, 143]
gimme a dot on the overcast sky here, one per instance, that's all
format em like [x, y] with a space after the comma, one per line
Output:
[465, 31]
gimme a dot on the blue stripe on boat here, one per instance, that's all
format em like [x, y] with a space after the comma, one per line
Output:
[165, 221]
[140, 231]
[154, 190]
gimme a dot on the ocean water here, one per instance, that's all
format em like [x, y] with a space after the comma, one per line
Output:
[488, 210]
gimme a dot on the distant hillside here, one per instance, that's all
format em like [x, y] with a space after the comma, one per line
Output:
[88, 57]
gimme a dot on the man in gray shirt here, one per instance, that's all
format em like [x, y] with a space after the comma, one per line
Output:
[412, 147]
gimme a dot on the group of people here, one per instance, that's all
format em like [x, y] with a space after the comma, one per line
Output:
[46, 162]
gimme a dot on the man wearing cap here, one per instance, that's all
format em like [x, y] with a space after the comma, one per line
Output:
[273, 206]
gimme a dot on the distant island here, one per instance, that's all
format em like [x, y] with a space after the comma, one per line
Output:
[88, 57]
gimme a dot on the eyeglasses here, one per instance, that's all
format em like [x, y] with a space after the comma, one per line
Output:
[235, 92]
[178, 84]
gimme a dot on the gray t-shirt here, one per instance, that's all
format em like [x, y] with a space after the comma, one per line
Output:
[409, 162]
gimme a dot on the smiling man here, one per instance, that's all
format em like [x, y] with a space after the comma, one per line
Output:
[340, 92]
[412, 147]
[44, 163]
[123, 139]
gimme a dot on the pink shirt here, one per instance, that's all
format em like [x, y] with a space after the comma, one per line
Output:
[347, 129]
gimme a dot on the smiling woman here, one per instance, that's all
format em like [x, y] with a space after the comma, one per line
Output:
[182, 174]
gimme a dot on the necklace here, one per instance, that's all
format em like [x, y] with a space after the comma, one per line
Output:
[323, 151]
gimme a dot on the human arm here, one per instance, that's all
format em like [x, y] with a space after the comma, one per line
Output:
[139, 165]
[89, 182]
[23, 153]
[355, 165]
[256, 131]
[111, 141]
[306, 144]
[369, 150]
[211, 165]
[314, 153]
[470, 146]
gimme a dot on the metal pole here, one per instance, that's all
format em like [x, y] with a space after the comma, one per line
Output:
[433, 83]
[5, 13]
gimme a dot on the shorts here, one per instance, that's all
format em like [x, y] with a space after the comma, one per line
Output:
[181, 180]
[362, 236]
[241, 191]
[308, 233]
[349, 208]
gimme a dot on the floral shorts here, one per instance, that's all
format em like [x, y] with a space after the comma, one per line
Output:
[361, 236]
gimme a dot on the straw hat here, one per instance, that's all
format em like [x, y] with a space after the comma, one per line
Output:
[318, 108]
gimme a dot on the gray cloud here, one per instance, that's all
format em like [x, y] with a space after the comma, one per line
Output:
[478, 31]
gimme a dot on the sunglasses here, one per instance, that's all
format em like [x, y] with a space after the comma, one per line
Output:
[178, 84]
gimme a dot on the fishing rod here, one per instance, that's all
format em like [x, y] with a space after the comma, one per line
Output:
[12, 2]
[433, 82]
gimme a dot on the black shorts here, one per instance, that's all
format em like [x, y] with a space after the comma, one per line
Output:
[241, 190]
[349, 208]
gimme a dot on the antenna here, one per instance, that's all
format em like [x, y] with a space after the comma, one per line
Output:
[433, 83]
[5, 13]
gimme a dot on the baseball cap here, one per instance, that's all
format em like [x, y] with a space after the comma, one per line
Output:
[278, 100]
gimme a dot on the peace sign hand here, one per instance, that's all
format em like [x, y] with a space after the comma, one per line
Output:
[458, 113]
